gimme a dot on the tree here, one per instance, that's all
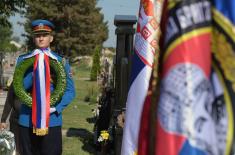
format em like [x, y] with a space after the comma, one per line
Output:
[95, 69]
[8, 8]
[5, 39]
[79, 24]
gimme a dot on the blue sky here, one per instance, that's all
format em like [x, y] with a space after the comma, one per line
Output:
[17, 29]
[110, 8]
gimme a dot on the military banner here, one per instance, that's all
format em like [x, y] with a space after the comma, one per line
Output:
[194, 108]
[192, 116]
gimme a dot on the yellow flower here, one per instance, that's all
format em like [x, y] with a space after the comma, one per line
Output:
[104, 134]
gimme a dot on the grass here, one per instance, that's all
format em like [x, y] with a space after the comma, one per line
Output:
[76, 117]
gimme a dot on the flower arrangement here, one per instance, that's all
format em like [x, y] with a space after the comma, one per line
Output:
[7, 143]
[104, 139]
[104, 136]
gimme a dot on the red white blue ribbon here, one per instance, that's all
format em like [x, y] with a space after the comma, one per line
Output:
[41, 91]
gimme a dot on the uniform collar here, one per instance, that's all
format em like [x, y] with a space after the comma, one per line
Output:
[46, 51]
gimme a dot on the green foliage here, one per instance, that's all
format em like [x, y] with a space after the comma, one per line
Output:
[19, 75]
[95, 70]
[8, 8]
[79, 24]
[5, 38]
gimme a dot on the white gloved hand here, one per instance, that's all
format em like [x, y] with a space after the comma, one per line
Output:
[52, 110]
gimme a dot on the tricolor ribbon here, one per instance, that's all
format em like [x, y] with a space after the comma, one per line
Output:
[41, 91]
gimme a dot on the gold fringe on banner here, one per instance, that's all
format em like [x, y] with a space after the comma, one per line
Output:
[40, 132]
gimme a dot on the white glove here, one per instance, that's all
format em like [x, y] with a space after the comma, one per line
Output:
[52, 110]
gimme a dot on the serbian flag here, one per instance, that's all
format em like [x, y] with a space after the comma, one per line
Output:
[145, 50]
[41, 94]
[41, 90]
[194, 104]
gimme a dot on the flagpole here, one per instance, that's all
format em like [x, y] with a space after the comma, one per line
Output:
[154, 95]
[154, 91]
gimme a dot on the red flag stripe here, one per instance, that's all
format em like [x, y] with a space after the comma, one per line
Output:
[34, 106]
[48, 77]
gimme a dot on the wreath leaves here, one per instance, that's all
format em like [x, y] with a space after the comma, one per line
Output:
[26, 97]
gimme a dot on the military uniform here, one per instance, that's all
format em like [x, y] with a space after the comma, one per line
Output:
[56, 117]
[51, 143]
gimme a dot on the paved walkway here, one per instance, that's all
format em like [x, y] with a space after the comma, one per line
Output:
[3, 95]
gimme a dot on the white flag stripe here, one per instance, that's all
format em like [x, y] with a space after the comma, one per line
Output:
[42, 89]
[37, 51]
[134, 110]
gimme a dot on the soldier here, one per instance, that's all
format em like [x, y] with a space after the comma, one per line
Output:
[11, 107]
[40, 126]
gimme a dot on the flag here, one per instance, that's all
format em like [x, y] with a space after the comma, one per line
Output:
[41, 90]
[41, 94]
[145, 50]
[223, 58]
[182, 122]
[194, 107]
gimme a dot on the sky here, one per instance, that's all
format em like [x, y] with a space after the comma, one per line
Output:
[110, 8]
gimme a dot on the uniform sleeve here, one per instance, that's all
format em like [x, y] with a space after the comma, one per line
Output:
[28, 81]
[8, 104]
[69, 93]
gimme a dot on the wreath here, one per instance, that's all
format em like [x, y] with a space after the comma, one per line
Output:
[26, 97]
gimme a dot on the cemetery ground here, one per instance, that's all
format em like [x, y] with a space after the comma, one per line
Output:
[78, 121]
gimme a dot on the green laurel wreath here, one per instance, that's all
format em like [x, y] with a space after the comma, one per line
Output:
[24, 96]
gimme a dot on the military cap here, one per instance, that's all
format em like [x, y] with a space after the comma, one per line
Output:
[41, 26]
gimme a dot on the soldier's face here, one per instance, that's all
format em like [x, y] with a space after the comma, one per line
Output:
[43, 40]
